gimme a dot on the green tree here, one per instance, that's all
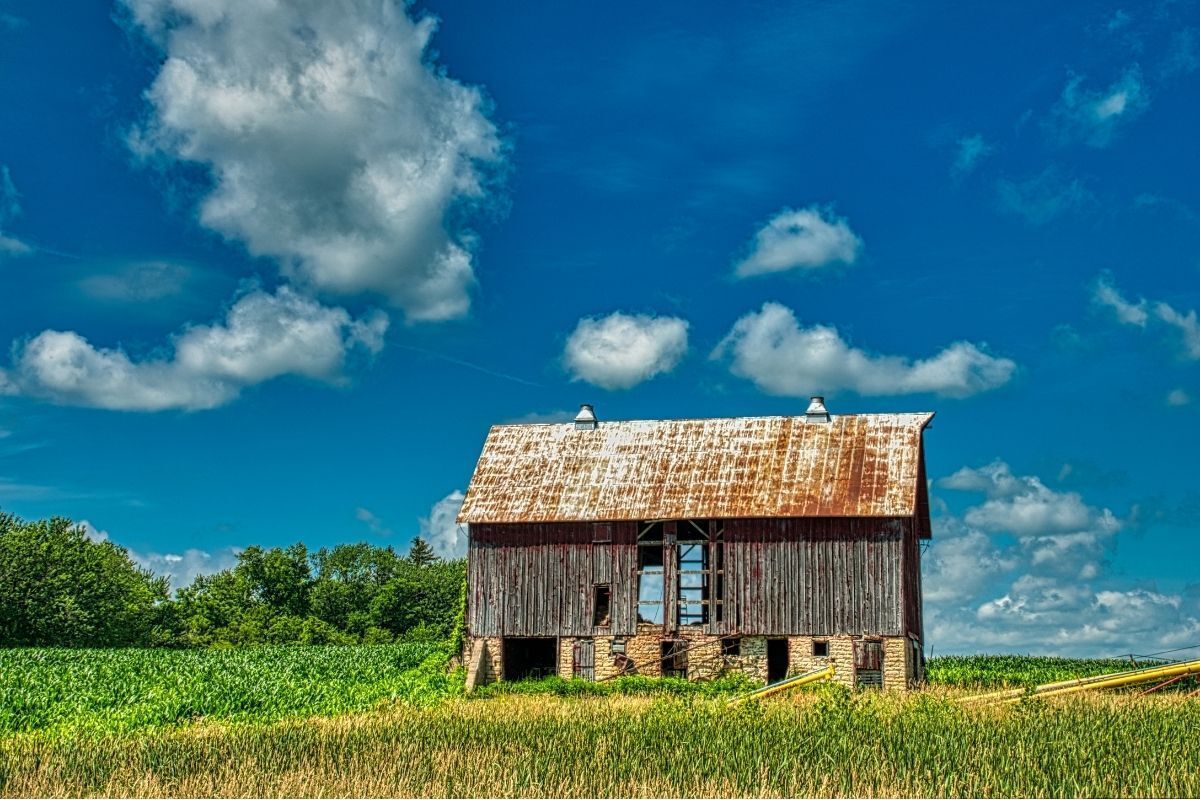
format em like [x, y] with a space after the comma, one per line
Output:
[421, 553]
[60, 588]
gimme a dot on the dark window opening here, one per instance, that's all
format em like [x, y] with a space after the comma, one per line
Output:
[529, 658]
[731, 646]
[601, 532]
[674, 659]
[777, 660]
[821, 649]
[601, 603]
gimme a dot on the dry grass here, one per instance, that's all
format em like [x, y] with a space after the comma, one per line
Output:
[830, 743]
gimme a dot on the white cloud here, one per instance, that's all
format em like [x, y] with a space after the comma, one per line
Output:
[1178, 397]
[92, 532]
[1093, 117]
[180, 569]
[1044, 197]
[152, 280]
[1130, 313]
[954, 568]
[263, 336]
[334, 143]
[1105, 294]
[809, 238]
[447, 538]
[1186, 324]
[1028, 570]
[971, 150]
[770, 348]
[622, 350]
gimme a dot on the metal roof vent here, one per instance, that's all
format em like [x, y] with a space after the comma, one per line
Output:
[585, 420]
[816, 410]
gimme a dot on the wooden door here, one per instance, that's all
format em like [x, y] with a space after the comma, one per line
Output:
[583, 659]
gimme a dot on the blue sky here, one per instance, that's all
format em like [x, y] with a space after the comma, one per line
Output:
[270, 272]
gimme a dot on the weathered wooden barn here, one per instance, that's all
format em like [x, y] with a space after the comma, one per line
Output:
[771, 545]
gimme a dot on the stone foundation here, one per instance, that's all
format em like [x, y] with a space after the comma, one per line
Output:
[705, 659]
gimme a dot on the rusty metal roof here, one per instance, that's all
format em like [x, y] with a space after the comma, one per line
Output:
[856, 465]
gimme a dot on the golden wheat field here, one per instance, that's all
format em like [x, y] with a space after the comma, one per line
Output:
[831, 743]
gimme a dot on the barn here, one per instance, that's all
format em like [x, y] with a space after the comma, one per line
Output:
[691, 547]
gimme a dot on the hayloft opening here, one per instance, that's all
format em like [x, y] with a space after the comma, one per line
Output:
[525, 658]
[601, 605]
[777, 659]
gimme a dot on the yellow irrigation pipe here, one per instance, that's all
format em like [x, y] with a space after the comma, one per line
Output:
[1186, 668]
[1109, 681]
[1005, 694]
[788, 683]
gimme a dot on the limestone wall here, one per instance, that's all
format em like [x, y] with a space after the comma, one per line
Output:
[706, 660]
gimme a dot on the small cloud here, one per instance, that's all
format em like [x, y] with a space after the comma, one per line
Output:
[374, 523]
[180, 569]
[770, 348]
[1178, 397]
[1044, 197]
[1185, 324]
[92, 532]
[971, 150]
[137, 283]
[1094, 117]
[622, 350]
[445, 535]
[1141, 313]
[810, 238]
[263, 336]
[1106, 295]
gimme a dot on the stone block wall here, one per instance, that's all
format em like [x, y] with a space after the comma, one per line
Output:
[706, 661]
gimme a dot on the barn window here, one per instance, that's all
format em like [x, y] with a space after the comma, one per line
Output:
[821, 649]
[693, 561]
[650, 573]
[601, 603]
[731, 646]
[601, 532]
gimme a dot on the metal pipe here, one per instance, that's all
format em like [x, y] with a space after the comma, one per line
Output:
[1186, 668]
[1016, 694]
[788, 683]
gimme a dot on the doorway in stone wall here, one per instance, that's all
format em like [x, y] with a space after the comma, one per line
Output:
[777, 659]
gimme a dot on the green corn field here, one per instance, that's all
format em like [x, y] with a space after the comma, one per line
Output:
[390, 720]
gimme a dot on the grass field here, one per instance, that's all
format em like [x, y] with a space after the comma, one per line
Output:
[827, 743]
[388, 720]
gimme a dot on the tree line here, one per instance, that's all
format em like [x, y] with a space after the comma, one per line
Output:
[58, 588]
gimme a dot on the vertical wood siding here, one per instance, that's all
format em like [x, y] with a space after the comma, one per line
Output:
[818, 576]
[537, 579]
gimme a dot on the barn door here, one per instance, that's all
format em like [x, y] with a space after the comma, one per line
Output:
[584, 659]
[868, 662]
